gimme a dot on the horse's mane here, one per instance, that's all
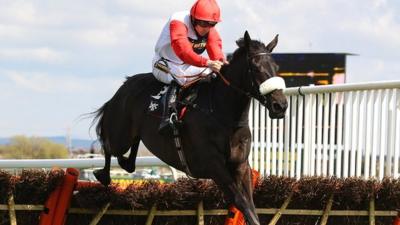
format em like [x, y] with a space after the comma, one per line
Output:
[254, 44]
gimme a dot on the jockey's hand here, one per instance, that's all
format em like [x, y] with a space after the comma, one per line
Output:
[214, 65]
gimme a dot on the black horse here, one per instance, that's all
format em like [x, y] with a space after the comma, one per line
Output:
[215, 134]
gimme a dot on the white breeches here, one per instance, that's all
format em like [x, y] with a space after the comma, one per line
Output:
[178, 70]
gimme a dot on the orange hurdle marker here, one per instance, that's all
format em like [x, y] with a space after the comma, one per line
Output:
[396, 221]
[70, 180]
[46, 217]
[235, 217]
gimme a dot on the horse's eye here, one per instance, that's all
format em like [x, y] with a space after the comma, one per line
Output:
[254, 68]
[257, 70]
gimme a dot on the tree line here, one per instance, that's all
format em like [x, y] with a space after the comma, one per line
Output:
[22, 147]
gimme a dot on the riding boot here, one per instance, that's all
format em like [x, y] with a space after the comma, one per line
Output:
[169, 115]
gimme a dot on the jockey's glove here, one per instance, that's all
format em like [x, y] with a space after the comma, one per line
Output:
[214, 65]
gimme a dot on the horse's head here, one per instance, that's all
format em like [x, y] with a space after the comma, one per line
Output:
[261, 80]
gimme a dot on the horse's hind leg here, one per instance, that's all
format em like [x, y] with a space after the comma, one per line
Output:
[103, 175]
[128, 164]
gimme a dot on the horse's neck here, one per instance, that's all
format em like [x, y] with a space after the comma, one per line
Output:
[231, 105]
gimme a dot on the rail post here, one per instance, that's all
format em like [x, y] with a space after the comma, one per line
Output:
[11, 210]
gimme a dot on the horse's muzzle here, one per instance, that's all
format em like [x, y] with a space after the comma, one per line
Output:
[277, 104]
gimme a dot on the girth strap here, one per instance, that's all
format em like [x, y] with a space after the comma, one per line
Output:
[179, 147]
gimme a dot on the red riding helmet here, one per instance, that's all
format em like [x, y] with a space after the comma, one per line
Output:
[207, 10]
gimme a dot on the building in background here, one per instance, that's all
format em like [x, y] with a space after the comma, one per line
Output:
[305, 69]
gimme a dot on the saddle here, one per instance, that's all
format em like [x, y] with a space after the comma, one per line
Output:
[185, 98]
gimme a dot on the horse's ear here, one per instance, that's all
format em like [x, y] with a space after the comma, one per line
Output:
[247, 40]
[272, 44]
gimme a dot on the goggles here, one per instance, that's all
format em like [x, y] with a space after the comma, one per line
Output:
[203, 23]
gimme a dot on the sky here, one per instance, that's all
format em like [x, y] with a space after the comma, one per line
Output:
[62, 59]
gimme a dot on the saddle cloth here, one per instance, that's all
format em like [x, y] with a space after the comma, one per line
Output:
[184, 98]
[156, 103]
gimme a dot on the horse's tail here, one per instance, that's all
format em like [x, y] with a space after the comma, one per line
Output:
[132, 87]
[99, 119]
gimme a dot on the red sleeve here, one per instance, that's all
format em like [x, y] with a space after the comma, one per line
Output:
[214, 45]
[182, 46]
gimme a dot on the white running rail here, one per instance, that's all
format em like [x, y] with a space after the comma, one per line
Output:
[80, 163]
[342, 130]
[72, 163]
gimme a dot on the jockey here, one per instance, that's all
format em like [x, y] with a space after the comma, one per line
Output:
[178, 52]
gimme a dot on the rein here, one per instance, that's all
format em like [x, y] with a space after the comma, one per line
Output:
[229, 84]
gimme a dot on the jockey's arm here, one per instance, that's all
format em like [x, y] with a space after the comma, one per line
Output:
[182, 46]
[214, 46]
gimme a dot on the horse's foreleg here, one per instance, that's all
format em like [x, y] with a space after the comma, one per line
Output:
[128, 164]
[237, 194]
[245, 178]
[244, 205]
[241, 172]
[103, 175]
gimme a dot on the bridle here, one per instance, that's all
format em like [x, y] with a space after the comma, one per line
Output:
[250, 71]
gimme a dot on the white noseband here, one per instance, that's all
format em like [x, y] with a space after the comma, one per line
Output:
[272, 84]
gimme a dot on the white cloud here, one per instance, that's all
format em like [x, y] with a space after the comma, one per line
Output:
[12, 32]
[40, 54]
[18, 12]
[53, 84]
[372, 69]
[100, 37]
[110, 34]
[155, 8]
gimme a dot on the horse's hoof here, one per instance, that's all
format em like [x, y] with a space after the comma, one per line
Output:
[126, 165]
[102, 176]
[252, 218]
[252, 222]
